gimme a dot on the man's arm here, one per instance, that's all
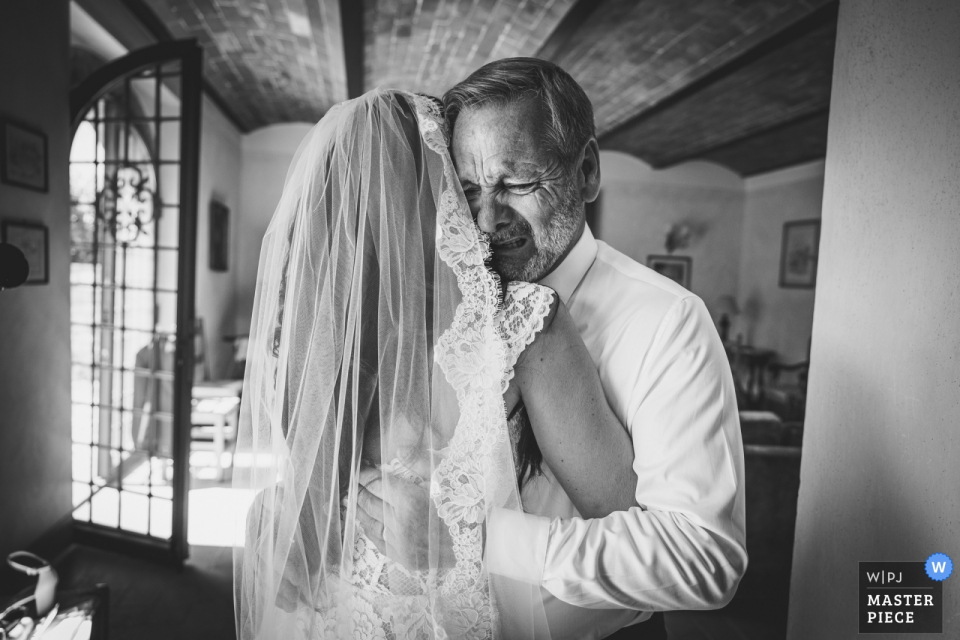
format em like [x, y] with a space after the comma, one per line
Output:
[684, 547]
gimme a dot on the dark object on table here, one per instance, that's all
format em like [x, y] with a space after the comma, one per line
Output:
[33, 240]
[726, 306]
[13, 267]
[80, 614]
[749, 367]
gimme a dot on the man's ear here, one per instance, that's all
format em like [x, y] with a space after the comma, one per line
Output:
[590, 171]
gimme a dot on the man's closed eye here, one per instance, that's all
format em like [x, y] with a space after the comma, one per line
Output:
[523, 189]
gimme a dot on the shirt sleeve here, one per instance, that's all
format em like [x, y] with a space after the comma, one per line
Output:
[684, 547]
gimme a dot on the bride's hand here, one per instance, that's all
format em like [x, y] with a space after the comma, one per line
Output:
[396, 515]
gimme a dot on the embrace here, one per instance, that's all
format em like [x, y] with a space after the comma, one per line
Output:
[463, 415]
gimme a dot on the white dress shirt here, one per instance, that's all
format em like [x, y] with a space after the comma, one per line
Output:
[667, 379]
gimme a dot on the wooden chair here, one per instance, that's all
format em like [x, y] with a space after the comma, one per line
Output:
[215, 413]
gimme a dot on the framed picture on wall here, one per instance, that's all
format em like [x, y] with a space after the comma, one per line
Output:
[23, 155]
[798, 254]
[32, 239]
[677, 268]
[219, 236]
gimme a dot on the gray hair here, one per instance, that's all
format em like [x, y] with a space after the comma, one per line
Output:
[569, 115]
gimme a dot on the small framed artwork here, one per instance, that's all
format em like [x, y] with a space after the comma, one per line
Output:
[23, 155]
[677, 268]
[798, 254]
[219, 236]
[32, 239]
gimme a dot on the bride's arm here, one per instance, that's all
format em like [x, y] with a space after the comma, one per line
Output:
[586, 447]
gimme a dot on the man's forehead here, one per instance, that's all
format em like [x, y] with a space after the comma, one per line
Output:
[499, 140]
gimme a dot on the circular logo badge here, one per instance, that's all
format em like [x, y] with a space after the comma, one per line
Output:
[939, 566]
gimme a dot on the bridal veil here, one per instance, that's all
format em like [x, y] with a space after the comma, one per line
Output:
[380, 349]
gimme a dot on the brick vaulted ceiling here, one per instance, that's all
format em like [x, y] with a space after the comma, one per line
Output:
[745, 83]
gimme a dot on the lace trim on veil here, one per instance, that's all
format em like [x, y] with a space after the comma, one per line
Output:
[477, 354]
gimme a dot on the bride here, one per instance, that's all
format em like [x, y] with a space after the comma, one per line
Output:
[385, 352]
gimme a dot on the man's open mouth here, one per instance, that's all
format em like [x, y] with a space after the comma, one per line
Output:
[510, 245]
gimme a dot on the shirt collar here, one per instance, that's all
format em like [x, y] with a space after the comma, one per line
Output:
[569, 273]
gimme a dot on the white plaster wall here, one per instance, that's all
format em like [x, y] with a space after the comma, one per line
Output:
[266, 155]
[774, 317]
[220, 161]
[34, 320]
[638, 204]
[880, 472]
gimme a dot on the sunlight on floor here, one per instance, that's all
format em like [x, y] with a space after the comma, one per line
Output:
[217, 516]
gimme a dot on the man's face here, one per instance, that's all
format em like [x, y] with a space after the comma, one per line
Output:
[518, 191]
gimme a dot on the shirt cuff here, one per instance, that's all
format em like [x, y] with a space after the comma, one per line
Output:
[516, 545]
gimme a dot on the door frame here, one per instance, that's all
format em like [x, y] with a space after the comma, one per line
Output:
[82, 99]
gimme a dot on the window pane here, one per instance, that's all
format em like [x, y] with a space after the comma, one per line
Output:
[84, 146]
[105, 507]
[82, 342]
[167, 269]
[81, 462]
[166, 312]
[143, 95]
[140, 267]
[84, 301]
[82, 268]
[170, 104]
[161, 518]
[107, 461]
[127, 431]
[169, 185]
[134, 511]
[83, 182]
[82, 513]
[81, 491]
[138, 310]
[169, 231]
[81, 384]
[161, 475]
[170, 140]
[81, 423]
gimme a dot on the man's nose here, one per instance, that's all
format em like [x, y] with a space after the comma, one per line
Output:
[492, 216]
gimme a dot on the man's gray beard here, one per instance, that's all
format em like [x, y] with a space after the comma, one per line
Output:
[550, 244]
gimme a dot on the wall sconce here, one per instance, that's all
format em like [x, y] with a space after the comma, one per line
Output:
[678, 237]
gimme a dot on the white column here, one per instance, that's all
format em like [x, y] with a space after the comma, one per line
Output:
[880, 478]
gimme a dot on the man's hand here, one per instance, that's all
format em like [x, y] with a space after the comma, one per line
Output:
[399, 517]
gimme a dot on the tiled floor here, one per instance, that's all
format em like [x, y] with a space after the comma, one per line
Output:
[150, 601]
[722, 625]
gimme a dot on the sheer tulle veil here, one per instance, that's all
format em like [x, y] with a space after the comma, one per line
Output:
[380, 347]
